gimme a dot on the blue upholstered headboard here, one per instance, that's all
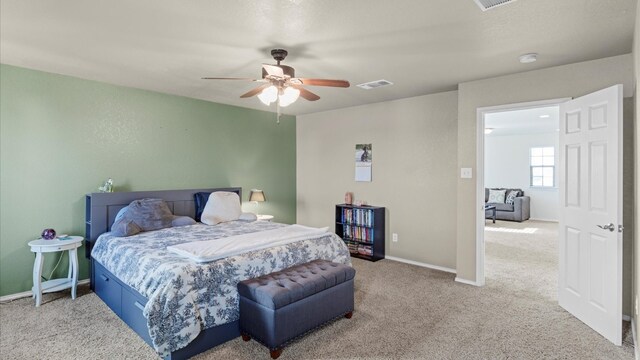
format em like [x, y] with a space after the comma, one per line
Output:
[101, 208]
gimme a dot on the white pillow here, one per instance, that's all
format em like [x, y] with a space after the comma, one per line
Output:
[496, 196]
[248, 216]
[221, 207]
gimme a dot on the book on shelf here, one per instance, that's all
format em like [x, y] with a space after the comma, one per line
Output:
[360, 249]
[360, 217]
[358, 233]
[365, 250]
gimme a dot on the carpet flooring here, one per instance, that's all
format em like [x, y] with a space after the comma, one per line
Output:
[402, 312]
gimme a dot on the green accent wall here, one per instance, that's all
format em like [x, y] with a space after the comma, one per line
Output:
[62, 137]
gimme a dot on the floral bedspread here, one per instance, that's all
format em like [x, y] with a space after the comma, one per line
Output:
[186, 297]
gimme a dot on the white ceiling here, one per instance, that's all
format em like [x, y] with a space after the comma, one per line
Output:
[520, 122]
[421, 46]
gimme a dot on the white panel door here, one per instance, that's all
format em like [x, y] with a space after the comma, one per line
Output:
[590, 281]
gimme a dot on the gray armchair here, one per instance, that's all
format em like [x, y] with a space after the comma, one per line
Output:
[519, 211]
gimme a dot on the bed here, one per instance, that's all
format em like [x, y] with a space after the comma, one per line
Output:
[177, 306]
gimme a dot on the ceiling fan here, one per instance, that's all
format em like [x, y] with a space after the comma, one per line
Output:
[280, 85]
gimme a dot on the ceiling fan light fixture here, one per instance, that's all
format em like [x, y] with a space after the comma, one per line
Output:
[280, 84]
[289, 96]
[268, 95]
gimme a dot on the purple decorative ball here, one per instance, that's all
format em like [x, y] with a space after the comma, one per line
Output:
[48, 234]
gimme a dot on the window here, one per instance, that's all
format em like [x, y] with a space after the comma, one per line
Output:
[543, 166]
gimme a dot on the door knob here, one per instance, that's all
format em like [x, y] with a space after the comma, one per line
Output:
[609, 227]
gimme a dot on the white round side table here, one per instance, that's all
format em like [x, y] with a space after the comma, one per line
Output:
[264, 217]
[41, 246]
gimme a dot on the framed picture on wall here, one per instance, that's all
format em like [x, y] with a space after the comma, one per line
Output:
[363, 162]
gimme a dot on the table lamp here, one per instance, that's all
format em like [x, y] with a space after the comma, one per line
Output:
[257, 196]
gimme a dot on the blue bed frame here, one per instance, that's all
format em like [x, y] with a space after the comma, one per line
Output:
[126, 302]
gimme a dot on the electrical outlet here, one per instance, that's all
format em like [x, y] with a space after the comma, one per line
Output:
[466, 173]
[395, 237]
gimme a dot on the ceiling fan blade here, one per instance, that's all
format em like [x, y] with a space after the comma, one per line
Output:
[324, 82]
[227, 78]
[308, 95]
[273, 70]
[255, 91]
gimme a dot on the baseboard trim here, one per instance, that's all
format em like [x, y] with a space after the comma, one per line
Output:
[635, 345]
[421, 264]
[467, 282]
[24, 294]
[545, 220]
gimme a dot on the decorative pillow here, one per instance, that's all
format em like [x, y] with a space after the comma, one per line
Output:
[182, 221]
[248, 216]
[513, 194]
[496, 196]
[200, 200]
[143, 215]
[120, 214]
[222, 206]
[125, 228]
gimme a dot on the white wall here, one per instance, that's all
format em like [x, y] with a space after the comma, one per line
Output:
[571, 80]
[507, 166]
[413, 170]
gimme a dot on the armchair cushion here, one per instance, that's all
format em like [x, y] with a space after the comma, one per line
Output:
[502, 206]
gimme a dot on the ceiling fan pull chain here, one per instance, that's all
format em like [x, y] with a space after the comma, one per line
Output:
[278, 111]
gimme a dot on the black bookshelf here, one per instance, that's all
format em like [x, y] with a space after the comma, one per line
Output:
[362, 229]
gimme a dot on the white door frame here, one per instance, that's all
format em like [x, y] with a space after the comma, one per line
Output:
[481, 112]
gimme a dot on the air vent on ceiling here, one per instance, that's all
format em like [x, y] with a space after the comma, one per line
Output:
[490, 4]
[374, 84]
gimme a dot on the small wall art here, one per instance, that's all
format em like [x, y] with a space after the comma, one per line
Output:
[363, 162]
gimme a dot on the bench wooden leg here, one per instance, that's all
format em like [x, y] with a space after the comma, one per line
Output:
[246, 337]
[348, 315]
[276, 353]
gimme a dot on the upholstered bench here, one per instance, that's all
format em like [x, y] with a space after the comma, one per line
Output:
[279, 307]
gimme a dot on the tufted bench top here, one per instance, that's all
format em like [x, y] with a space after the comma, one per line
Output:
[284, 287]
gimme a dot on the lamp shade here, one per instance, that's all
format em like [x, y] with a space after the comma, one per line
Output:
[268, 95]
[289, 96]
[257, 195]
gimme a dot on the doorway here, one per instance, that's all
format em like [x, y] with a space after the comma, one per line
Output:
[499, 115]
[590, 209]
[521, 191]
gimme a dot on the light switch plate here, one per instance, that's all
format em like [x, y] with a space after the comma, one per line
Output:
[466, 173]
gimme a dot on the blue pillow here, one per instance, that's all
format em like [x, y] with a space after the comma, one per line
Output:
[120, 214]
[182, 221]
[143, 215]
[200, 198]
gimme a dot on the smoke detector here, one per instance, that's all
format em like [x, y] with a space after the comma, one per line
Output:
[490, 4]
[374, 84]
[528, 58]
